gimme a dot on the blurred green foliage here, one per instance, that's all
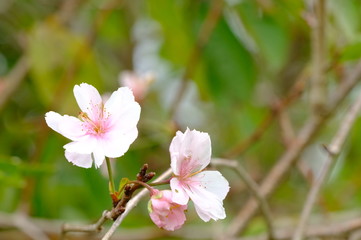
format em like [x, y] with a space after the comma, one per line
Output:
[252, 57]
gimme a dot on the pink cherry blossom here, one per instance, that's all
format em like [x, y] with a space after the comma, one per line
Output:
[190, 154]
[102, 129]
[165, 213]
[138, 83]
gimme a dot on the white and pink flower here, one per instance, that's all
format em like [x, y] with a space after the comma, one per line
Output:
[190, 154]
[103, 129]
[164, 212]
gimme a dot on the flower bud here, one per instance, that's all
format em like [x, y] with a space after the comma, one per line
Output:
[165, 213]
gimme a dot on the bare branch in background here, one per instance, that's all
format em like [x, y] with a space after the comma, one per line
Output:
[330, 231]
[96, 227]
[312, 126]
[333, 150]
[26, 226]
[288, 136]
[293, 94]
[253, 187]
[12, 81]
[318, 90]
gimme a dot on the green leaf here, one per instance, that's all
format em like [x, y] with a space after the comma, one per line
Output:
[230, 68]
[122, 183]
[270, 36]
[171, 16]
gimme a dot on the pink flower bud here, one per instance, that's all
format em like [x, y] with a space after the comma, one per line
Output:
[138, 83]
[165, 213]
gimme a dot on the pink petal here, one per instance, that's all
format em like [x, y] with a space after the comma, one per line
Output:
[123, 110]
[207, 205]
[190, 152]
[207, 190]
[179, 194]
[175, 152]
[165, 213]
[213, 182]
[69, 127]
[80, 160]
[88, 99]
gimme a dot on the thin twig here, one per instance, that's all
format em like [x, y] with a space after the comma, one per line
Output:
[12, 81]
[119, 203]
[205, 32]
[131, 204]
[96, 227]
[318, 90]
[333, 150]
[312, 126]
[288, 136]
[253, 187]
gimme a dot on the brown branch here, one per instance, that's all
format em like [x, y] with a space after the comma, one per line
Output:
[205, 32]
[288, 136]
[336, 230]
[312, 126]
[333, 150]
[254, 189]
[293, 94]
[96, 227]
[119, 205]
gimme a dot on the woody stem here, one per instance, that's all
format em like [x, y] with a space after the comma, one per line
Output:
[150, 189]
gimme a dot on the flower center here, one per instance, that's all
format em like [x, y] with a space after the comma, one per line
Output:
[96, 125]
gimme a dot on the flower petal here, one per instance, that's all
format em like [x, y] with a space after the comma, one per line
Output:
[190, 152]
[208, 205]
[88, 99]
[99, 157]
[69, 127]
[82, 147]
[213, 182]
[207, 190]
[78, 159]
[123, 111]
[164, 212]
[179, 195]
[116, 143]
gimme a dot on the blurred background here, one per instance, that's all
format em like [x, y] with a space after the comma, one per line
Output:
[237, 69]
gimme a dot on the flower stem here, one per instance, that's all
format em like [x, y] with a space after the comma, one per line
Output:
[150, 189]
[160, 183]
[110, 173]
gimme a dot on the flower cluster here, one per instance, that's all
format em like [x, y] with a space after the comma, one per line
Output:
[107, 128]
[190, 154]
